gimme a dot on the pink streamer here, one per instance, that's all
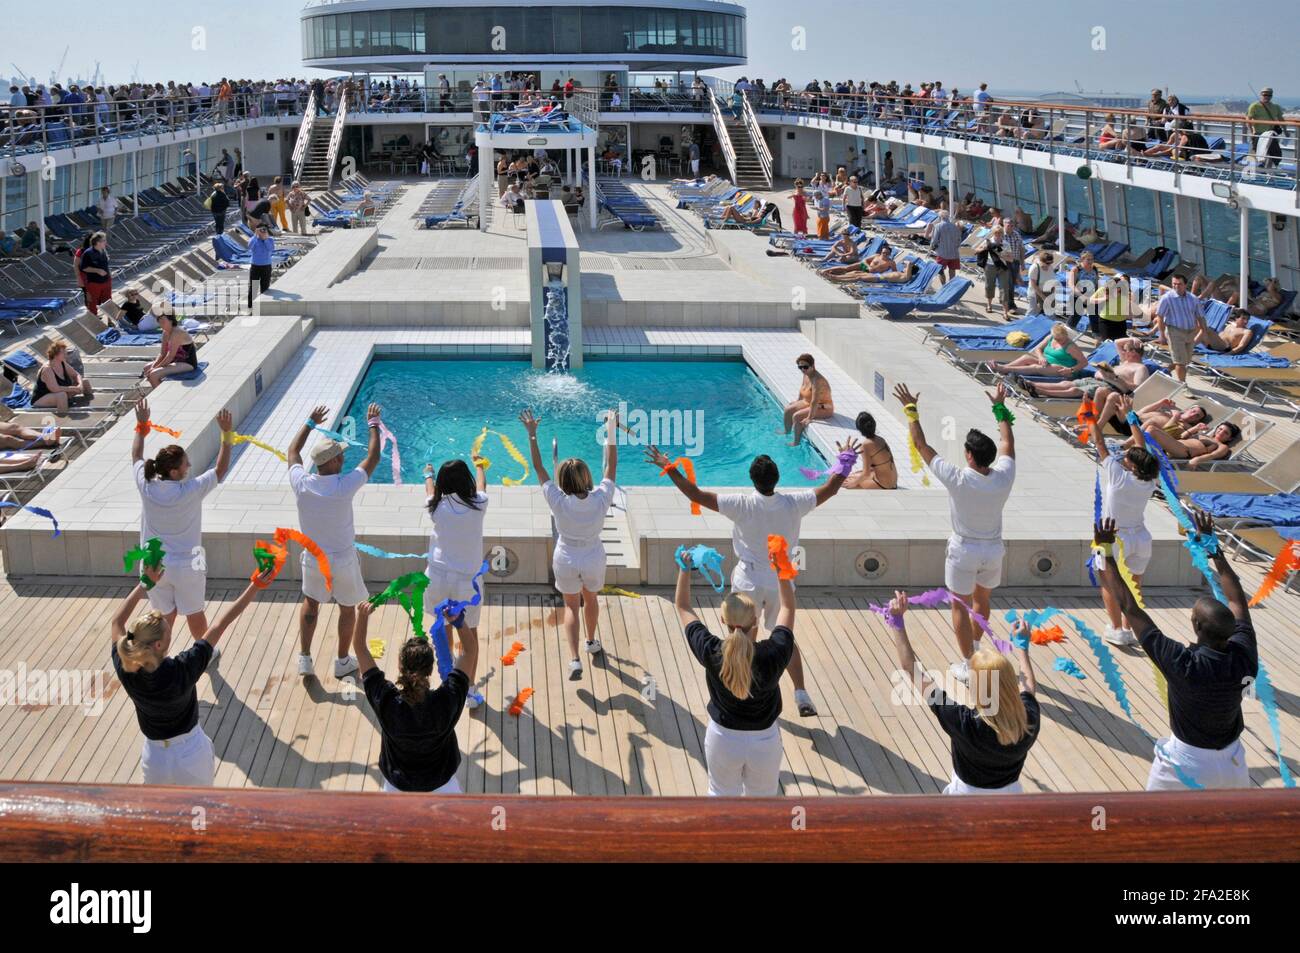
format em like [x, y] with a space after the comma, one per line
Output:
[385, 437]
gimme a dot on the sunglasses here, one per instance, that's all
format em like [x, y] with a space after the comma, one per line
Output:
[802, 367]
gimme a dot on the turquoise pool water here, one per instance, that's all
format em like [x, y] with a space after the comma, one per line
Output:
[716, 412]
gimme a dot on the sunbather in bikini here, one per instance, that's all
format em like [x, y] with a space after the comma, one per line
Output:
[1121, 378]
[878, 470]
[14, 436]
[878, 264]
[1058, 356]
[899, 276]
[814, 402]
[844, 251]
[11, 462]
[1195, 446]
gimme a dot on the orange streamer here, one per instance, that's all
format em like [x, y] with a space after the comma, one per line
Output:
[1087, 416]
[1287, 561]
[1044, 636]
[509, 657]
[688, 466]
[778, 551]
[280, 550]
[517, 706]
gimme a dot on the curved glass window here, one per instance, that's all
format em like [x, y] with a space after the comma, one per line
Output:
[486, 31]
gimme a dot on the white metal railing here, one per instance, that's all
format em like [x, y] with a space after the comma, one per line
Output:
[304, 136]
[758, 139]
[336, 137]
[724, 137]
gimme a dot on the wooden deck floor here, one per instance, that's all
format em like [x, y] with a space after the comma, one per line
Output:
[607, 734]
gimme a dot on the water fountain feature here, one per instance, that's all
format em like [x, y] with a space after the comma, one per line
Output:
[555, 324]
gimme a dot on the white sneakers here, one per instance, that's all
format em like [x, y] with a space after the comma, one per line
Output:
[575, 670]
[594, 647]
[803, 701]
[343, 667]
[1120, 637]
[960, 671]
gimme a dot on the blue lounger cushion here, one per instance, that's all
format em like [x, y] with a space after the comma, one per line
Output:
[1245, 360]
[1276, 509]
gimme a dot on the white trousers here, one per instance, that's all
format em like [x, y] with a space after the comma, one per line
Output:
[743, 763]
[1225, 768]
[187, 759]
[958, 786]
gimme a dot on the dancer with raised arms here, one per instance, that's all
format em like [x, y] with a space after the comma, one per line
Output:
[161, 687]
[418, 750]
[172, 512]
[755, 516]
[1207, 681]
[457, 503]
[977, 494]
[579, 510]
[742, 745]
[325, 515]
[990, 739]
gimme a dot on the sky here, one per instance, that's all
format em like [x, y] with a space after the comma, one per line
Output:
[1013, 45]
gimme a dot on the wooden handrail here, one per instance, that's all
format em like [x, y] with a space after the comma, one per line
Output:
[64, 822]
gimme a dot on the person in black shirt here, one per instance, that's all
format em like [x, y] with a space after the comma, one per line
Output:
[991, 740]
[1206, 681]
[131, 311]
[742, 746]
[219, 203]
[417, 725]
[176, 751]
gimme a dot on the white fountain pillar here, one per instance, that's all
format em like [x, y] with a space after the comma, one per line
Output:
[552, 246]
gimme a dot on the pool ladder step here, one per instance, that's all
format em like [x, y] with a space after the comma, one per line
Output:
[622, 559]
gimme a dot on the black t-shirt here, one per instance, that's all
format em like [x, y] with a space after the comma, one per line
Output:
[418, 749]
[978, 757]
[166, 704]
[93, 258]
[132, 311]
[1205, 686]
[763, 706]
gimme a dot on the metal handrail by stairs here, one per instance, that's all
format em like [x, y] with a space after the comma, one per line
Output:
[759, 141]
[724, 137]
[336, 138]
[304, 136]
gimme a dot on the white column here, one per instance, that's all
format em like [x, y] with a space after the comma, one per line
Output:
[825, 168]
[875, 145]
[486, 177]
[1060, 212]
[952, 186]
[1244, 267]
[135, 180]
[40, 205]
[592, 204]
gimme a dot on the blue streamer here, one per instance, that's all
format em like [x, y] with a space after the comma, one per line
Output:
[1264, 692]
[706, 560]
[1069, 667]
[385, 554]
[438, 633]
[1198, 546]
[333, 434]
[39, 511]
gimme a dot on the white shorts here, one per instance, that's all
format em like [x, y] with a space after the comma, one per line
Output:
[187, 759]
[766, 598]
[958, 786]
[576, 570]
[1137, 549]
[1225, 768]
[345, 571]
[444, 584]
[451, 787]
[181, 589]
[743, 763]
[971, 563]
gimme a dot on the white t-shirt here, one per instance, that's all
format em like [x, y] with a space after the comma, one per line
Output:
[756, 517]
[325, 507]
[456, 543]
[975, 500]
[173, 512]
[108, 207]
[1124, 497]
[578, 521]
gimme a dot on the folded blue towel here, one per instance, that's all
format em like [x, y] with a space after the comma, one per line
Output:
[18, 398]
[109, 336]
[21, 360]
[1276, 509]
[1246, 360]
[143, 339]
[192, 375]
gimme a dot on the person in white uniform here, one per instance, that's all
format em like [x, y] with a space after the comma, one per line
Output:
[172, 512]
[161, 687]
[1127, 482]
[579, 511]
[977, 494]
[991, 738]
[457, 505]
[755, 516]
[1206, 681]
[325, 516]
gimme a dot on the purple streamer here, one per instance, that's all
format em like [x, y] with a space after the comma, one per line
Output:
[934, 598]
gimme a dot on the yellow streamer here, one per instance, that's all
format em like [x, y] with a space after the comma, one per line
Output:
[1161, 685]
[376, 647]
[237, 438]
[509, 447]
[616, 591]
[911, 413]
[1127, 575]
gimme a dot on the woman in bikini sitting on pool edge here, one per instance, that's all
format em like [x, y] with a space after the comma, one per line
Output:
[814, 401]
[878, 471]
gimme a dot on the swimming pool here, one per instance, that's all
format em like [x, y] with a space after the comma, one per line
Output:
[716, 412]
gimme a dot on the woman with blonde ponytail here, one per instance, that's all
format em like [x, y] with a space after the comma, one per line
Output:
[176, 751]
[742, 747]
[990, 739]
[418, 750]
